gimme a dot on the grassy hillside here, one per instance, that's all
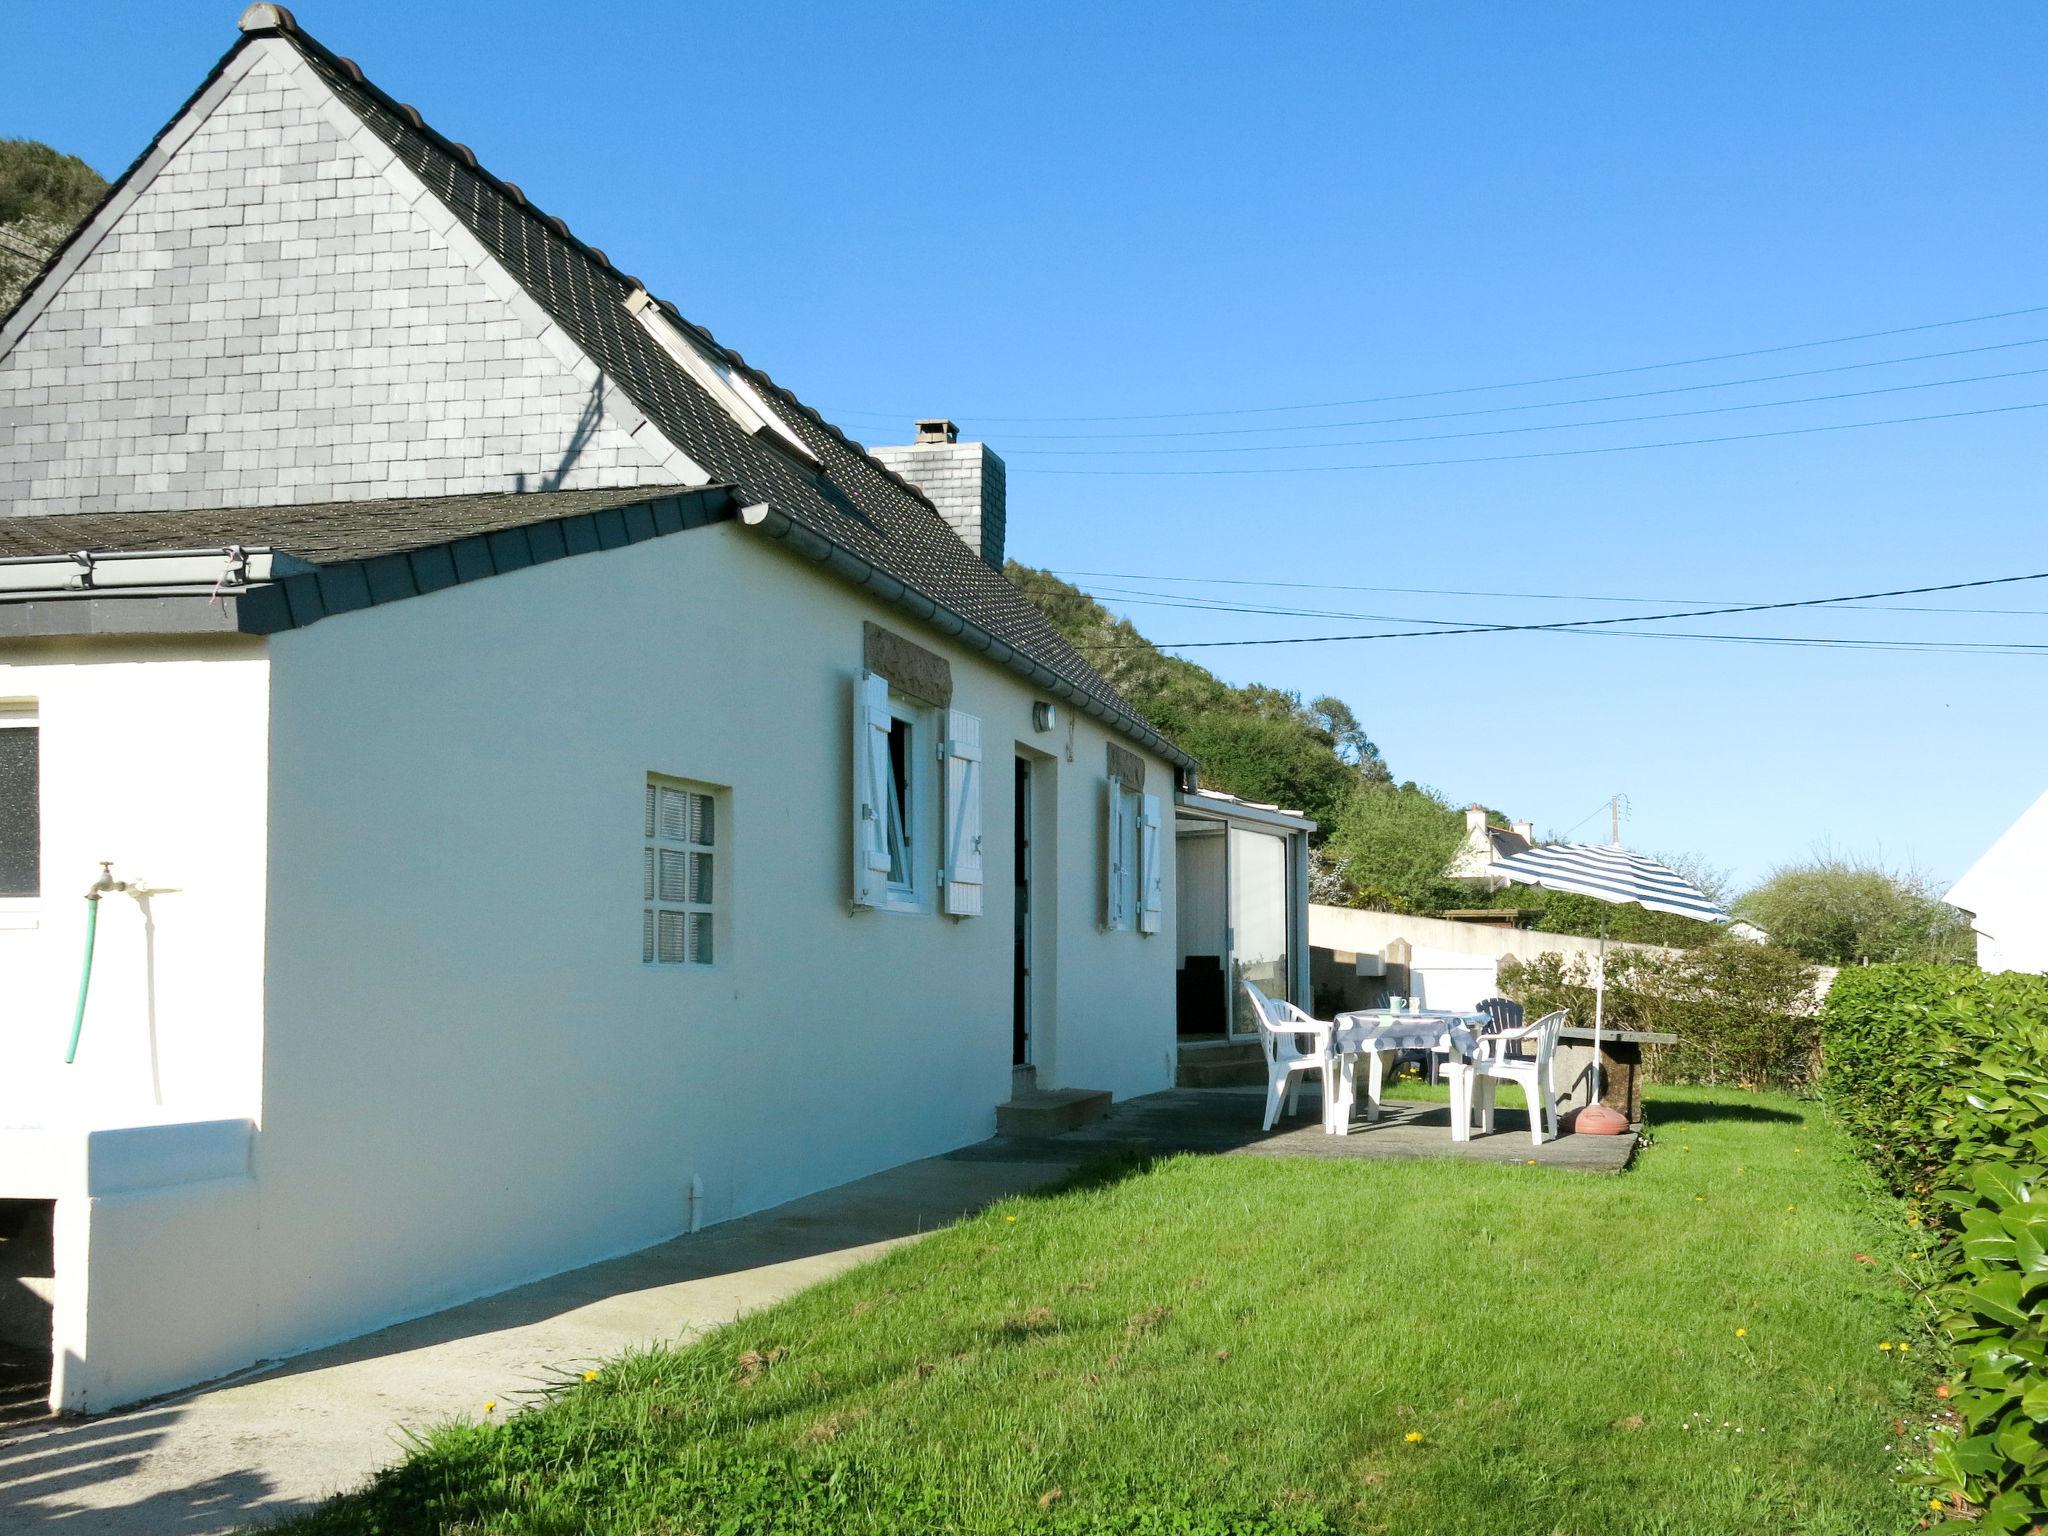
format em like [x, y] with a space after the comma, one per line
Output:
[1378, 844]
[43, 195]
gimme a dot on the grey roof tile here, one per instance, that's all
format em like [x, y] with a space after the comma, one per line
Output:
[321, 533]
[852, 500]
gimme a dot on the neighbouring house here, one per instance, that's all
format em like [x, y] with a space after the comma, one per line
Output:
[2002, 896]
[518, 783]
[1484, 844]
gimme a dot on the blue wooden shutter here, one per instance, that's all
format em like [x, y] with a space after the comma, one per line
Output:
[963, 871]
[870, 789]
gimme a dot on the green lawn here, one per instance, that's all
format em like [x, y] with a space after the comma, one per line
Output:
[1229, 1346]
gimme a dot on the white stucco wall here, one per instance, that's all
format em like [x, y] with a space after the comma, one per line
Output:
[153, 757]
[470, 1078]
[2003, 895]
[1457, 963]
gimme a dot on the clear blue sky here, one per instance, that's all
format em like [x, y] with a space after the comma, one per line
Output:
[1038, 211]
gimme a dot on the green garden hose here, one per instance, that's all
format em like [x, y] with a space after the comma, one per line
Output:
[92, 923]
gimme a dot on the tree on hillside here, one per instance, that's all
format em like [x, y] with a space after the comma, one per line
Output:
[1378, 845]
[1353, 745]
[1836, 910]
[1257, 742]
[43, 195]
[1392, 844]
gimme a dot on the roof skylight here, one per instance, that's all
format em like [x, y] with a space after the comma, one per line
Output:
[731, 388]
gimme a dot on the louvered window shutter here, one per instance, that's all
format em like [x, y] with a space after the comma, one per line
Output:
[870, 789]
[1112, 854]
[963, 877]
[1151, 903]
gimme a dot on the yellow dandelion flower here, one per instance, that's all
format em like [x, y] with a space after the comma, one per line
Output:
[1905, 1349]
[1011, 1220]
[1791, 1207]
[1413, 1437]
[491, 1404]
[1886, 1346]
[1934, 1504]
[1742, 1333]
[1912, 1221]
[590, 1375]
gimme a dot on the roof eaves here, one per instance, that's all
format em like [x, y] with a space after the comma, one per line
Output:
[773, 522]
[300, 592]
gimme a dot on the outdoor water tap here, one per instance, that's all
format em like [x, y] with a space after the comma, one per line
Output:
[106, 884]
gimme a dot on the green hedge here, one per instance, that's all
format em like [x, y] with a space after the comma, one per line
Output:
[1895, 1039]
[1940, 1074]
[1744, 1013]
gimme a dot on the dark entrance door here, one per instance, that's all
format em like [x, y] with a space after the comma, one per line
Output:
[1020, 1048]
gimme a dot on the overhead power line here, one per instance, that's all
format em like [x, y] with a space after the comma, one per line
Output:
[1558, 597]
[1473, 389]
[1581, 626]
[1139, 597]
[1550, 453]
[1551, 426]
[1530, 405]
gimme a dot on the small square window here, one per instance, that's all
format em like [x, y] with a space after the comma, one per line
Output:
[679, 883]
[21, 833]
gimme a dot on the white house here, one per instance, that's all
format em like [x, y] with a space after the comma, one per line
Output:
[489, 780]
[1485, 845]
[2001, 894]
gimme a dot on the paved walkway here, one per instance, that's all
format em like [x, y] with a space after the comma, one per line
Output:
[273, 1444]
[276, 1442]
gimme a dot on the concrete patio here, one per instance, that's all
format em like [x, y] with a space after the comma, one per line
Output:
[1226, 1121]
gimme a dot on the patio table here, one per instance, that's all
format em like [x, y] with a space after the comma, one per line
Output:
[1376, 1030]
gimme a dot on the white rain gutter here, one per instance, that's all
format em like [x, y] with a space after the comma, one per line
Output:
[778, 524]
[221, 569]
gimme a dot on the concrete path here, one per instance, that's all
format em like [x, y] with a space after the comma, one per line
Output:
[274, 1443]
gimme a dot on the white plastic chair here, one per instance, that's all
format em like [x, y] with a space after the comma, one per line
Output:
[1282, 1027]
[1491, 1064]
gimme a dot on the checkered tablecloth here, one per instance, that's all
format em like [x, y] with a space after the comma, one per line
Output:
[1391, 1030]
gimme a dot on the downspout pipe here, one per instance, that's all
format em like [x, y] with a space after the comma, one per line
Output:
[764, 517]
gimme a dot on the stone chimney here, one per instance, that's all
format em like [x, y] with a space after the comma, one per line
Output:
[1475, 820]
[1525, 830]
[965, 481]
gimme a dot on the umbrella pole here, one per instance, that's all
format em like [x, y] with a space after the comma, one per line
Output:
[1599, 1004]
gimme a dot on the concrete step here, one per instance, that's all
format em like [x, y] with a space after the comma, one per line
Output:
[1052, 1111]
[1221, 1066]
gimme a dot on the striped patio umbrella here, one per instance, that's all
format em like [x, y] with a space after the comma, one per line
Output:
[1610, 874]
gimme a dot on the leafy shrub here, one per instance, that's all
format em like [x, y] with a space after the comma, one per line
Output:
[1894, 1037]
[1841, 911]
[1996, 1308]
[1744, 1013]
[1940, 1074]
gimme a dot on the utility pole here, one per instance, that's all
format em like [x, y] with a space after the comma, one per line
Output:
[1614, 820]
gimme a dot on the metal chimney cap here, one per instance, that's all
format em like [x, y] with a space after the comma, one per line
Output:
[937, 430]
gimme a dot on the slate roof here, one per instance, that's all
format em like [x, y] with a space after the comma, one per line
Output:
[320, 533]
[852, 502]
